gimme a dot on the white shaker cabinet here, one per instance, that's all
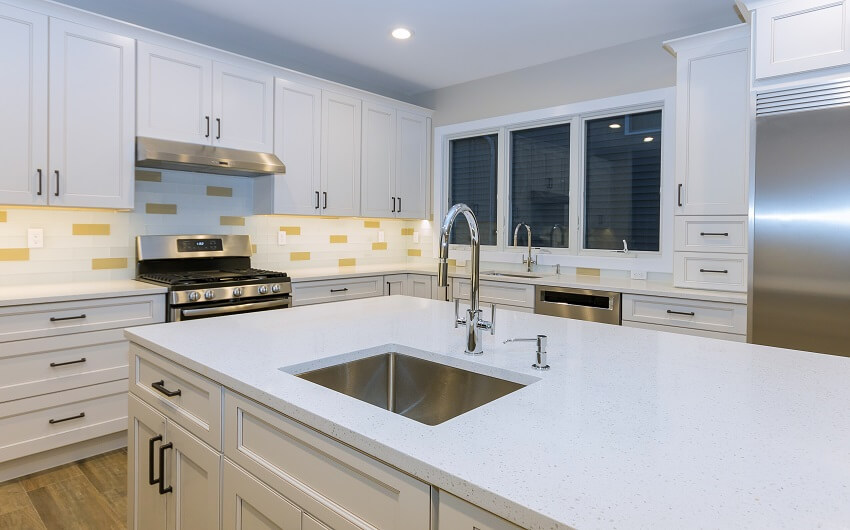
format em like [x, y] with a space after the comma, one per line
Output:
[23, 113]
[412, 186]
[248, 504]
[340, 167]
[243, 103]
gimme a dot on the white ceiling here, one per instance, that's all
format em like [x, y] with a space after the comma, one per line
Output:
[454, 40]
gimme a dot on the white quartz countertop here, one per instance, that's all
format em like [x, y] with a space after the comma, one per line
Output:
[620, 285]
[64, 292]
[629, 429]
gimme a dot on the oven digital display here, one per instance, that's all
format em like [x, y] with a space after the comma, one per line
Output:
[199, 245]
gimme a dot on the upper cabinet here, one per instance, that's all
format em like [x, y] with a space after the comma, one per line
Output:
[796, 36]
[188, 98]
[412, 184]
[86, 77]
[340, 155]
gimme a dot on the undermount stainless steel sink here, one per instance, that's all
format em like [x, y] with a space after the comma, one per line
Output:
[421, 390]
[512, 274]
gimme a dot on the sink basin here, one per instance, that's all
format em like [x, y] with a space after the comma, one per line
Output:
[421, 390]
[512, 274]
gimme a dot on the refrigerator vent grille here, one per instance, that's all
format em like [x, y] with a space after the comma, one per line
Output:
[828, 95]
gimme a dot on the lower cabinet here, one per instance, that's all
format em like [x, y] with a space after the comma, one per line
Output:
[418, 285]
[248, 504]
[457, 514]
[323, 291]
[719, 320]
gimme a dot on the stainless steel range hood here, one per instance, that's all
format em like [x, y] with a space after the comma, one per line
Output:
[182, 156]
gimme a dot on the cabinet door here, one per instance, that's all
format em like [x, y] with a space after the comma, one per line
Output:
[411, 173]
[457, 514]
[396, 284]
[308, 523]
[146, 431]
[23, 113]
[420, 285]
[175, 95]
[378, 167]
[194, 474]
[297, 141]
[713, 130]
[92, 117]
[340, 155]
[251, 505]
[243, 102]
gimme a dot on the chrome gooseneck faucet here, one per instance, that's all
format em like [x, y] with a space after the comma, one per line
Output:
[473, 321]
[525, 260]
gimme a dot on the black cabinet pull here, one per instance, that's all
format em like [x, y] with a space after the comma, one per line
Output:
[393, 205]
[724, 271]
[325, 198]
[151, 442]
[218, 122]
[686, 313]
[389, 289]
[399, 205]
[56, 193]
[724, 234]
[69, 418]
[680, 195]
[160, 385]
[317, 200]
[208, 126]
[39, 182]
[66, 363]
[162, 448]
[339, 290]
[62, 319]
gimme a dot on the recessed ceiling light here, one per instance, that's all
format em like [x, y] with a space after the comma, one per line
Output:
[615, 126]
[402, 33]
[648, 139]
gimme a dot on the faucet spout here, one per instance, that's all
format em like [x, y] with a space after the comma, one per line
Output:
[516, 233]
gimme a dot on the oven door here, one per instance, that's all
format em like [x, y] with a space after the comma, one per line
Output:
[180, 313]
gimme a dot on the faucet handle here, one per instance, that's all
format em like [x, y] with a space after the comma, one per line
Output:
[491, 326]
[458, 321]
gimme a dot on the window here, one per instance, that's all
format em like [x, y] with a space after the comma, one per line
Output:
[540, 185]
[623, 182]
[473, 181]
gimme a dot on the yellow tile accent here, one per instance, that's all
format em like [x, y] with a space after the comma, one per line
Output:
[414, 252]
[299, 256]
[2, 217]
[231, 220]
[371, 224]
[108, 263]
[291, 230]
[14, 254]
[339, 239]
[583, 271]
[452, 262]
[253, 249]
[347, 262]
[407, 231]
[148, 176]
[219, 191]
[379, 246]
[161, 208]
[90, 230]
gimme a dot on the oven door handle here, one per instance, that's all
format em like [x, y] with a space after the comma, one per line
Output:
[238, 308]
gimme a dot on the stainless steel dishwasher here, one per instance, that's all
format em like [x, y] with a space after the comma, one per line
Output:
[581, 304]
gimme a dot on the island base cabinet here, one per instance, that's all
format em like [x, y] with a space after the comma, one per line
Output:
[248, 504]
[457, 514]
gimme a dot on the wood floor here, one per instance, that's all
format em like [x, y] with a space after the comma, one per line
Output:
[89, 494]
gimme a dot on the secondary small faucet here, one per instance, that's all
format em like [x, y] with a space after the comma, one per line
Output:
[528, 261]
[473, 321]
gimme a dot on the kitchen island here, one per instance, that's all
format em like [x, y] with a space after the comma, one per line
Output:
[629, 429]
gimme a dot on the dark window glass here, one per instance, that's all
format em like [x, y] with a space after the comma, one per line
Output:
[472, 181]
[623, 181]
[540, 185]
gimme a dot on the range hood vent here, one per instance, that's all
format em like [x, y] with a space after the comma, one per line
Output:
[813, 97]
[182, 156]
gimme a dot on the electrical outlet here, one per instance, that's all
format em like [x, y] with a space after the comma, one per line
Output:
[416, 237]
[638, 275]
[281, 238]
[380, 236]
[35, 237]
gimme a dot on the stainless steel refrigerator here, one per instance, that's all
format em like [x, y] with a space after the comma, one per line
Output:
[800, 259]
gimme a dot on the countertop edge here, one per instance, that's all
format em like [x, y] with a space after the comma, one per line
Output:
[69, 292]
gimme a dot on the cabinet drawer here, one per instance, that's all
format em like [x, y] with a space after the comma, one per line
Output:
[695, 314]
[337, 484]
[305, 293]
[501, 293]
[76, 415]
[711, 234]
[41, 366]
[686, 331]
[457, 514]
[198, 406]
[719, 272]
[60, 318]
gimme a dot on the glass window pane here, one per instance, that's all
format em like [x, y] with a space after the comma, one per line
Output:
[540, 185]
[623, 181]
[472, 181]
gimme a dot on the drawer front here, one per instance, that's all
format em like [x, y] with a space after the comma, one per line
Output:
[719, 272]
[502, 293]
[337, 484]
[60, 318]
[305, 293]
[687, 331]
[457, 514]
[711, 234]
[197, 408]
[41, 366]
[32, 425]
[695, 314]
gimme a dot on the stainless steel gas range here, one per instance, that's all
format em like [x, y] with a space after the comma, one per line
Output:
[209, 275]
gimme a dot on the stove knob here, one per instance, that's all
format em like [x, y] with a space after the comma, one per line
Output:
[194, 296]
[263, 289]
[237, 291]
[276, 288]
[209, 295]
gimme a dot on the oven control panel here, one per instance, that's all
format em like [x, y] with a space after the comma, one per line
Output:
[199, 245]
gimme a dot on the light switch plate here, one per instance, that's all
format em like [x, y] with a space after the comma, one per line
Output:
[35, 237]
[638, 275]
[416, 237]
[380, 236]
[281, 238]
